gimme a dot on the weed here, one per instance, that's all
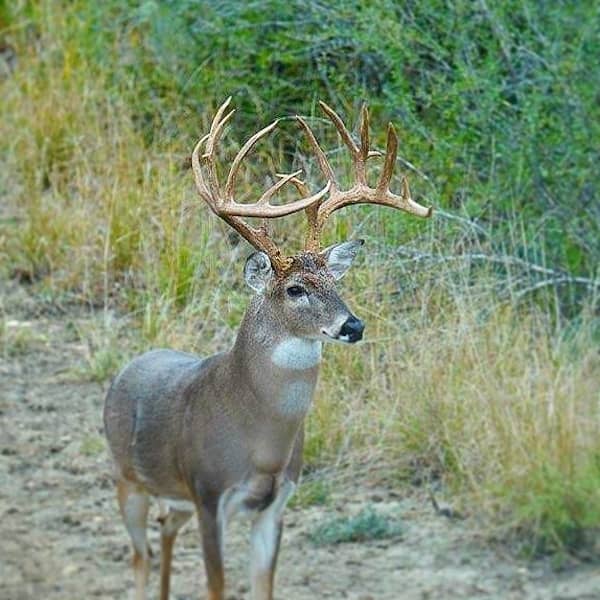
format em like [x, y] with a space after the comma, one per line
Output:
[107, 350]
[18, 338]
[92, 445]
[365, 526]
[103, 364]
[315, 492]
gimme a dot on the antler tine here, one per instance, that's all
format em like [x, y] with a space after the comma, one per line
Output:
[364, 133]
[216, 127]
[297, 183]
[405, 202]
[391, 152]
[215, 134]
[197, 170]
[219, 113]
[359, 155]
[245, 149]
[339, 125]
[324, 164]
[212, 139]
[283, 180]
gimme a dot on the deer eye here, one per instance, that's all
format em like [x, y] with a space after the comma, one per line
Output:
[295, 291]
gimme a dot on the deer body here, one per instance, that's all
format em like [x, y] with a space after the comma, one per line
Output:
[224, 434]
[182, 411]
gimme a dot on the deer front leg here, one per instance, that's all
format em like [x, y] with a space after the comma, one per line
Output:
[212, 541]
[265, 540]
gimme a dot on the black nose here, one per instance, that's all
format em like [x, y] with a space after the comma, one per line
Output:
[352, 329]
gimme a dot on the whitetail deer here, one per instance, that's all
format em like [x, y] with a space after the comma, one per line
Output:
[224, 434]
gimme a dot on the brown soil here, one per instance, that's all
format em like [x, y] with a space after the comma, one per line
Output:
[61, 536]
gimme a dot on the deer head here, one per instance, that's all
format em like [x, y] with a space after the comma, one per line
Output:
[302, 286]
[304, 296]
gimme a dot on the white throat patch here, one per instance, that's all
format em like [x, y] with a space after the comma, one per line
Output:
[297, 353]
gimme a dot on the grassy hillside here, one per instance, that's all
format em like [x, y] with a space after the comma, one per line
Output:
[481, 367]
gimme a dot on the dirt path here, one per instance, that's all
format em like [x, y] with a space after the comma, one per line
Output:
[61, 538]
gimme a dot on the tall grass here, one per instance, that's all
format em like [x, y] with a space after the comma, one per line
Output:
[497, 402]
[471, 373]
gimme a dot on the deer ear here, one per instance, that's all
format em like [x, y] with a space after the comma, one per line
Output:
[258, 271]
[340, 257]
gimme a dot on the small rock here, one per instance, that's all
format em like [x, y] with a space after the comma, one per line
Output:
[70, 569]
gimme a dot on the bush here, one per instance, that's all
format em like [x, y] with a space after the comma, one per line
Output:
[365, 526]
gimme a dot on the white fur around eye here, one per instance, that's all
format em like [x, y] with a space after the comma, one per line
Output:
[300, 300]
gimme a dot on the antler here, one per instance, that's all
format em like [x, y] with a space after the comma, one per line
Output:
[223, 204]
[360, 193]
[222, 201]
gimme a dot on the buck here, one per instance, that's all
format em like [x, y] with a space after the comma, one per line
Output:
[224, 434]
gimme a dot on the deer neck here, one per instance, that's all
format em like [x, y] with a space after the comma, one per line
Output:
[280, 368]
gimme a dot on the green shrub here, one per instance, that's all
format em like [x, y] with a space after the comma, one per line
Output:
[365, 526]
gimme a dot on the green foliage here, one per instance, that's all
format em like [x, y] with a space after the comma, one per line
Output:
[316, 492]
[102, 365]
[108, 349]
[497, 103]
[367, 525]
[566, 509]
[92, 445]
[18, 339]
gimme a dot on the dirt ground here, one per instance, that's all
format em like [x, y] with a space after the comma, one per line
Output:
[61, 536]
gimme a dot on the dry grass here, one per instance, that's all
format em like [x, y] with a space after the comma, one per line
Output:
[496, 403]
[498, 399]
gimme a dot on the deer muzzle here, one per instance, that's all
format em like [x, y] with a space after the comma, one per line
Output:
[352, 330]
